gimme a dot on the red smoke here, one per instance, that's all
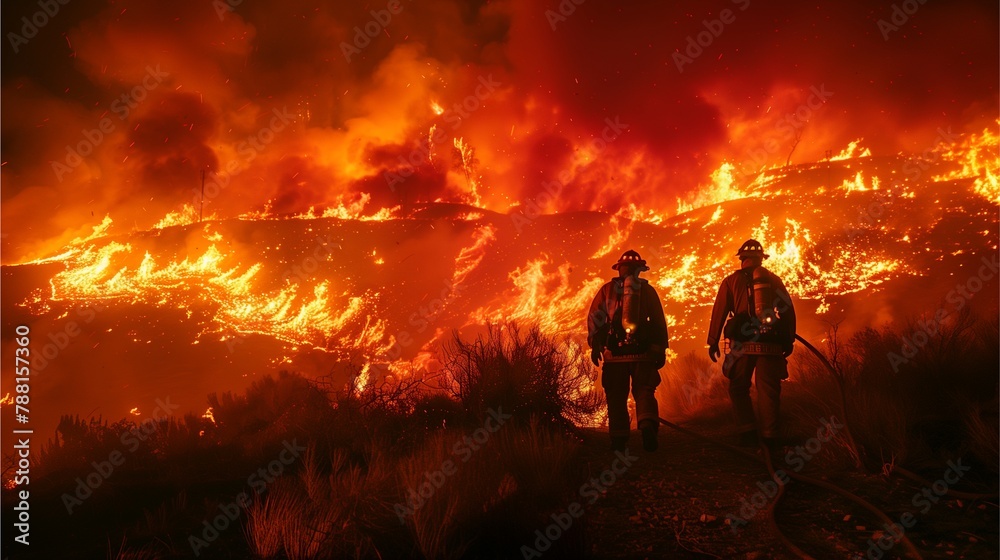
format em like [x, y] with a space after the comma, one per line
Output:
[560, 72]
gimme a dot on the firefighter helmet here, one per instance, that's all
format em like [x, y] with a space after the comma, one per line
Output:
[630, 257]
[751, 248]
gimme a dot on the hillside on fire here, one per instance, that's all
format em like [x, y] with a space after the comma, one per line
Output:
[467, 421]
[448, 279]
[186, 309]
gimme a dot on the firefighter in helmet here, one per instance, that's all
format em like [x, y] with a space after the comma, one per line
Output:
[760, 326]
[628, 331]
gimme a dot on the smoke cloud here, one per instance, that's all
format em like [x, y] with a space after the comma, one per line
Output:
[533, 88]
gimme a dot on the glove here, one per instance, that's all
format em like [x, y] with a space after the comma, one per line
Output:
[595, 356]
[713, 352]
[786, 351]
[661, 360]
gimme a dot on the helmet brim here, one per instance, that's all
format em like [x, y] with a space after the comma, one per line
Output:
[745, 254]
[641, 265]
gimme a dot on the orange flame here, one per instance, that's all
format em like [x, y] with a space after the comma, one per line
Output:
[720, 190]
[852, 151]
[977, 156]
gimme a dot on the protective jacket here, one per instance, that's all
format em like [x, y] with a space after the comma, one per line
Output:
[605, 317]
[733, 299]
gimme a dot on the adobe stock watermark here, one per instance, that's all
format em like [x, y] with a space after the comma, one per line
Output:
[301, 272]
[592, 490]
[231, 511]
[121, 107]
[363, 36]
[914, 167]
[420, 320]
[132, 439]
[310, 263]
[454, 116]
[924, 499]
[697, 44]
[565, 9]
[900, 15]
[31, 26]
[248, 150]
[464, 448]
[958, 297]
[868, 217]
[796, 459]
[62, 338]
[787, 128]
[551, 190]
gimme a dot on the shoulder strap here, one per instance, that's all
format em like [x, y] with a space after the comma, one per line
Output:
[748, 273]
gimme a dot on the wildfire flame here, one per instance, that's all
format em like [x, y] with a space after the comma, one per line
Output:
[721, 189]
[236, 297]
[188, 214]
[852, 151]
[977, 156]
[104, 273]
[467, 155]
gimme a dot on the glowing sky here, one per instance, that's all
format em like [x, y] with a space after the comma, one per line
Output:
[531, 86]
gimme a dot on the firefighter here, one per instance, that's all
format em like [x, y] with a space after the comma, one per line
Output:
[761, 332]
[628, 332]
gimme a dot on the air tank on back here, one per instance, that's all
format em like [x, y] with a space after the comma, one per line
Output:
[764, 298]
[631, 312]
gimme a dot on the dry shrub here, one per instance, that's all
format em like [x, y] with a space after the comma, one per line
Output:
[938, 403]
[331, 510]
[693, 386]
[271, 411]
[493, 497]
[529, 374]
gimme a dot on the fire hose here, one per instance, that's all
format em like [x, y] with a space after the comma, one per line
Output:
[895, 469]
[911, 550]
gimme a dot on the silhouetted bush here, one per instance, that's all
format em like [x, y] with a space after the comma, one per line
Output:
[332, 509]
[271, 411]
[437, 411]
[691, 386]
[496, 495]
[527, 374]
[936, 401]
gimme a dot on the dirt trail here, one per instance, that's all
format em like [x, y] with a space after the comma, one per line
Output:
[674, 503]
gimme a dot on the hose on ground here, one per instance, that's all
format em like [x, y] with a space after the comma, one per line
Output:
[907, 544]
[958, 494]
[912, 550]
[895, 468]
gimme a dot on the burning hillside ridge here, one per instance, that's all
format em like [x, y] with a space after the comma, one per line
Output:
[120, 109]
[365, 292]
[196, 194]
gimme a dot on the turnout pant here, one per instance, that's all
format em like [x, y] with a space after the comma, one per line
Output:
[643, 377]
[770, 370]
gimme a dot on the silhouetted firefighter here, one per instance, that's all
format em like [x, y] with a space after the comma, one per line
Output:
[627, 330]
[761, 333]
